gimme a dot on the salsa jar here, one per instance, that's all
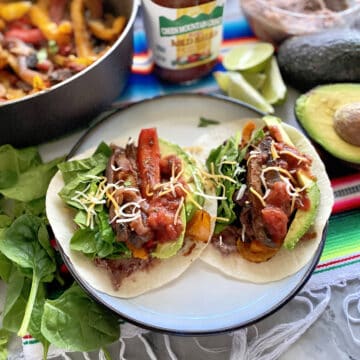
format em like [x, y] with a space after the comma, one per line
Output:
[184, 37]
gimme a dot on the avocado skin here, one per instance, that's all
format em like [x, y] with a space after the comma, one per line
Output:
[326, 57]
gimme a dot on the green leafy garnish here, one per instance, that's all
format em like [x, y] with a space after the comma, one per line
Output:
[204, 122]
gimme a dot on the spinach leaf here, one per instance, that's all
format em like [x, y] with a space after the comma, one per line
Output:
[83, 180]
[31, 184]
[99, 241]
[15, 301]
[224, 160]
[4, 339]
[20, 243]
[227, 161]
[15, 304]
[75, 322]
[10, 209]
[6, 267]
[13, 162]
[84, 240]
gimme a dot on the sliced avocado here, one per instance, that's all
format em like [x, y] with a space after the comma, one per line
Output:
[329, 56]
[169, 249]
[275, 121]
[191, 174]
[303, 218]
[315, 111]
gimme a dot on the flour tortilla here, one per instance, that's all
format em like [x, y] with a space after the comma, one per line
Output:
[61, 220]
[285, 262]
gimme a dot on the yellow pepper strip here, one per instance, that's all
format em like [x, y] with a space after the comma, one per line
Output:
[40, 18]
[12, 94]
[81, 36]
[43, 4]
[38, 83]
[2, 24]
[108, 34]
[3, 62]
[64, 61]
[14, 11]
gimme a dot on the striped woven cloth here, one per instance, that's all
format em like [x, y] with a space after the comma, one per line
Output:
[340, 259]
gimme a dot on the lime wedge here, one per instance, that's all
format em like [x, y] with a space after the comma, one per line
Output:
[240, 89]
[256, 80]
[222, 79]
[248, 57]
[274, 89]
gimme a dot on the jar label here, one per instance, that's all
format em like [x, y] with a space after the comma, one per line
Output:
[185, 37]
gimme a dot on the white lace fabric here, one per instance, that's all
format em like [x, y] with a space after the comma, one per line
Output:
[320, 322]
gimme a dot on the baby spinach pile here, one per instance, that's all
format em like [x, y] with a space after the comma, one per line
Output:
[40, 300]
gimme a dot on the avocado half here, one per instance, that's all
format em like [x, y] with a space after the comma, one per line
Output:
[315, 112]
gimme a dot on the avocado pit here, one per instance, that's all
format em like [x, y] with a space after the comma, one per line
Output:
[347, 123]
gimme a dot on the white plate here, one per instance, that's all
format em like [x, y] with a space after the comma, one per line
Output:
[201, 301]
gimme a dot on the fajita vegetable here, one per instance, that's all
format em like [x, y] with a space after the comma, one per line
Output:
[276, 199]
[45, 42]
[141, 214]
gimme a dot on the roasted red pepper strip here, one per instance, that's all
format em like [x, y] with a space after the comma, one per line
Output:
[31, 36]
[148, 161]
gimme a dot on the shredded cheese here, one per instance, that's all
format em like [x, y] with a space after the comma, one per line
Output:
[298, 157]
[253, 154]
[273, 151]
[253, 191]
[176, 217]
[219, 218]
[243, 229]
[281, 171]
[114, 168]
[240, 192]
[215, 177]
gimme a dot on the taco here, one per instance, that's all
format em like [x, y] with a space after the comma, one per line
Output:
[276, 199]
[131, 218]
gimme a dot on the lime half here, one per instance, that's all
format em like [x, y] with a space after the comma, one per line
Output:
[274, 89]
[240, 89]
[250, 57]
